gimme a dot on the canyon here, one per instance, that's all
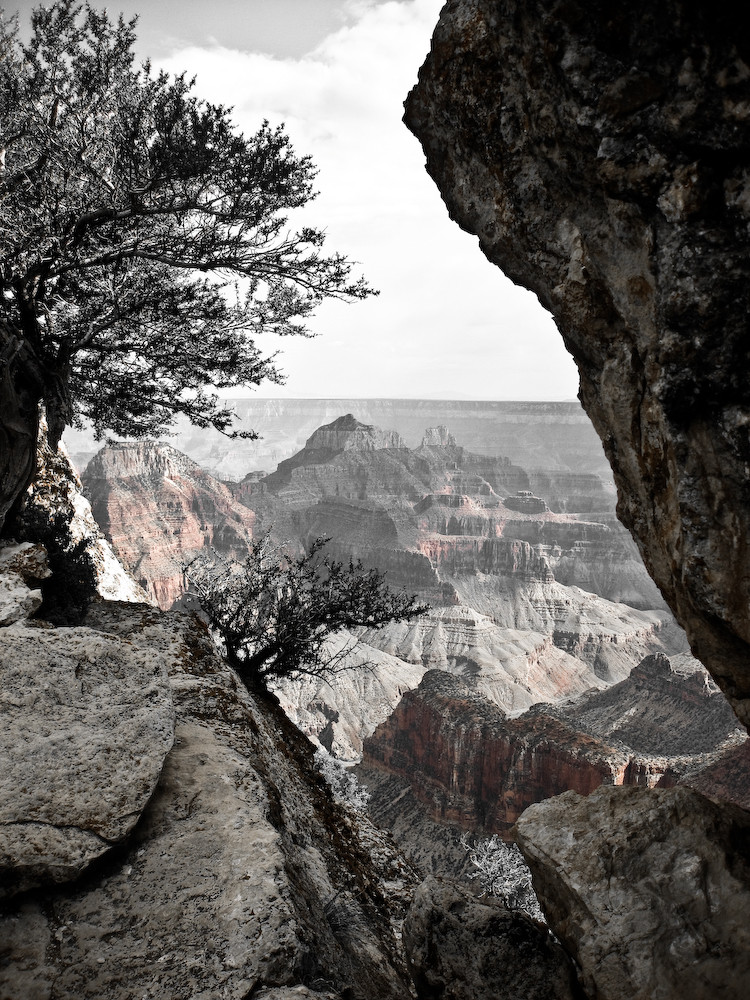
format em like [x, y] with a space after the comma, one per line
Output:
[158, 510]
[553, 435]
[472, 766]
[463, 530]
[599, 153]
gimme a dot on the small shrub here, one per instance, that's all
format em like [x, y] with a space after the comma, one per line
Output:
[503, 873]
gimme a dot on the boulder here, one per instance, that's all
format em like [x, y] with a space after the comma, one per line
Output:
[648, 889]
[87, 723]
[20, 565]
[461, 948]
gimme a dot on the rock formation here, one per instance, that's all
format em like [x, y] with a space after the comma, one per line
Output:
[158, 508]
[472, 766]
[87, 724]
[461, 948]
[657, 906]
[543, 435]
[241, 877]
[599, 154]
[55, 509]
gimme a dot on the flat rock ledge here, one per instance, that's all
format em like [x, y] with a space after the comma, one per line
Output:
[87, 722]
[648, 889]
[461, 948]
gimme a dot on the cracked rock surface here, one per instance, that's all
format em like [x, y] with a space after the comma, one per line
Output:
[87, 722]
[647, 889]
[242, 877]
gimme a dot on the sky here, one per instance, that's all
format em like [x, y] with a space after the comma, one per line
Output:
[447, 324]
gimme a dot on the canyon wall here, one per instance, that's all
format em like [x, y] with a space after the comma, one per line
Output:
[158, 509]
[599, 153]
[472, 766]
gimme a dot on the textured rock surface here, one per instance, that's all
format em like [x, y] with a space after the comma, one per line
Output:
[647, 889]
[340, 711]
[87, 724]
[461, 948]
[56, 498]
[158, 508]
[21, 565]
[600, 154]
[512, 668]
[243, 878]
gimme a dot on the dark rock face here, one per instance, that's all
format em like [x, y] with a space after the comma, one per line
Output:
[600, 153]
[647, 889]
[461, 948]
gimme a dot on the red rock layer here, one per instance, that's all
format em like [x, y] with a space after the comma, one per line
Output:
[158, 508]
[474, 767]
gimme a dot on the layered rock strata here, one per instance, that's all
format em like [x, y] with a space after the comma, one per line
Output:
[647, 889]
[600, 155]
[473, 767]
[545, 435]
[158, 509]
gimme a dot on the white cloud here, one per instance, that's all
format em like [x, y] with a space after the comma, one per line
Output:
[446, 321]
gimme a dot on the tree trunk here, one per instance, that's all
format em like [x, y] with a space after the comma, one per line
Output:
[19, 428]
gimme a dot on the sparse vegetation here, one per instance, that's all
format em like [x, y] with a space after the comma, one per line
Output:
[503, 873]
[344, 786]
[144, 241]
[275, 611]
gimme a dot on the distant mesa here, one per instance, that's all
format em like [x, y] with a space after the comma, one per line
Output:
[438, 437]
[525, 502]
[349, 434]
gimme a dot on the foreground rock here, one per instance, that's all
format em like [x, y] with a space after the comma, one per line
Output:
[87, 723]
[600, 155]
[243, 877]
[647, 889]
[22, 566]
[55, 511]
[461, 948]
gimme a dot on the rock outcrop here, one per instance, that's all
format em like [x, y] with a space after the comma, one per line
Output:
[472, 766]
[242, 877]
[22, 567]
[647, 889]
[461, 948]
[55, 509]
[158, 509]
[600, 155]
